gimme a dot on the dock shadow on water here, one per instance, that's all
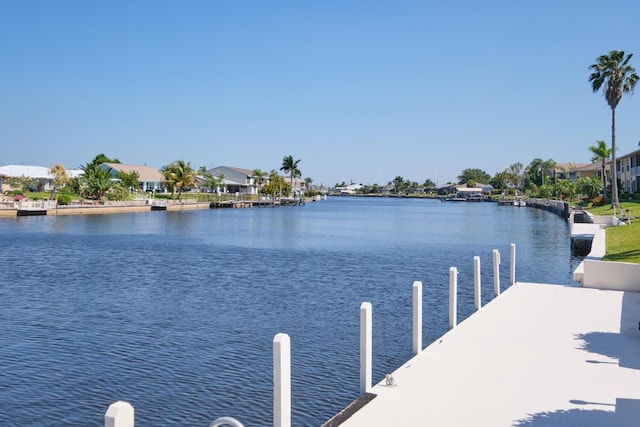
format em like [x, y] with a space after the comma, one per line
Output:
[175, 312]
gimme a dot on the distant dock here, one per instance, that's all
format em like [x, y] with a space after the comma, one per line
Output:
[49, 207]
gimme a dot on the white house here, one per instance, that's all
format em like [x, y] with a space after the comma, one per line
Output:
[350, 189]
[41, 175]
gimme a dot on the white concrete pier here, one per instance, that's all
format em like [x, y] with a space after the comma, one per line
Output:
[536, 355]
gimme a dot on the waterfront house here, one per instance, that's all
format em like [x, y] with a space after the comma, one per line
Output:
[566, 170]
[151, 178]
[243, 181]
[478, 189]
[628, 172]
[236, 180]
[350, 189]
[591, 170]
[41, 177]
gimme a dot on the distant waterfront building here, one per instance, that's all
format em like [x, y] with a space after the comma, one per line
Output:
[628, 172]
[350, 189]
[42, 178]
[591, 170]
[151, 178]
[236, 180]
[243, 181]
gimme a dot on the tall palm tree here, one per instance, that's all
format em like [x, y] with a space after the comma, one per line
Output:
[180, 175]
[616, 77]
[601, 153]
[259, 175]
[290, 166]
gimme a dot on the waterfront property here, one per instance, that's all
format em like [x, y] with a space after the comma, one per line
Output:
[150, 178]
[41, 176]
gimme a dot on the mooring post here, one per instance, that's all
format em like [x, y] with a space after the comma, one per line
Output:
[417, 317]
[119, 414]
[496, 271]
[476, 282]
[453, 297]
[366, 347]
[281, 381]
[513, 264]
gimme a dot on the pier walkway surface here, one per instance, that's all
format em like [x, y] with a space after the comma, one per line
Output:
[537, 355]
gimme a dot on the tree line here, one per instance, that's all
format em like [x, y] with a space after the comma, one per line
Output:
[615, 76]
[98, 183]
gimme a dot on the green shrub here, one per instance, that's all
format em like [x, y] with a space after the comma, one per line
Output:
[118, 193]
[63, 199]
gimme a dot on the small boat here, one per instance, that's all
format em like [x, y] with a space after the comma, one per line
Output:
[519, 203]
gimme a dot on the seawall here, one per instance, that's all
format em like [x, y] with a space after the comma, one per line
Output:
[557, 207]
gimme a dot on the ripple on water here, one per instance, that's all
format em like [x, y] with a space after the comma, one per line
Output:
[176, 312]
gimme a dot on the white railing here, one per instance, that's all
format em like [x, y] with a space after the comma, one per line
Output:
[35, 205]
[121, 414]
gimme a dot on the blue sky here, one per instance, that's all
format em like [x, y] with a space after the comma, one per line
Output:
[359, 91]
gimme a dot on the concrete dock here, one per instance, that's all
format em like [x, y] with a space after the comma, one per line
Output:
[537, 355]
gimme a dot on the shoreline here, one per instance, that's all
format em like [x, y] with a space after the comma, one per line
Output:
[100, 210]
[144, 206]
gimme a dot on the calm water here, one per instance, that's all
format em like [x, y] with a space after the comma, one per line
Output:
[176, 312]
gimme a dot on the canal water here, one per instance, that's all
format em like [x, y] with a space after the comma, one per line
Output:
[175, 312]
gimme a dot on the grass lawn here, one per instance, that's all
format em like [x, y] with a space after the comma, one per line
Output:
[623, 242]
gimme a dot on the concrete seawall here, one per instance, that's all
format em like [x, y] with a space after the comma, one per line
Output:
[109, 209]
[97, 210]
[557, 207]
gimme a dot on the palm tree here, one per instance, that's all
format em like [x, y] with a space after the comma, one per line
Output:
[290, 166]
[211, 181]
[616, 77]
[97, 181]
[601, 153]
[259, 175]
[536, 170]
[180, 175]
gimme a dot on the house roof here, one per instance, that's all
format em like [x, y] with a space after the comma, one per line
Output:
[74, 173]
[571, 166]
[596, 166]
[147, 173]
[478, 186]
[16, 171]
[240, 170]
[469, 190]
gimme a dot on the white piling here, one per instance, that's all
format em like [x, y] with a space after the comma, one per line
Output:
[417, 317]
[119, 414]
[513, 264]
[281, 381]
[496, 271]
[477, 287]
[453, 297]
[366, 346]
